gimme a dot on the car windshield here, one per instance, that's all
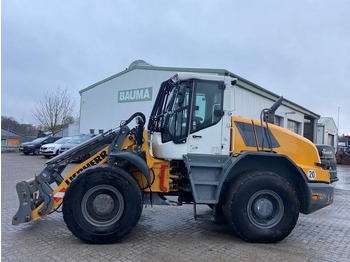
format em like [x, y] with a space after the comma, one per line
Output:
[40, 139]
[79, 139]
[62, 140]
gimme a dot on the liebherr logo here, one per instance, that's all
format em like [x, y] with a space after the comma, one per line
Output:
[135, 95]
[92, 162]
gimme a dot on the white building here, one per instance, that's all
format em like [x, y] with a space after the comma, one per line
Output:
[327, 132]
[106, 103]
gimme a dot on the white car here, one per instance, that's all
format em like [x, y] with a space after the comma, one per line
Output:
[49, 150]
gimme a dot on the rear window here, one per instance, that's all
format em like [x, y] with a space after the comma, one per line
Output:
[325, 151]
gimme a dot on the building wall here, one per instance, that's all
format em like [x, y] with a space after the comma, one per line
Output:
[248, 104]
[320, 135]
[73, 129]
[327, 133]
[100, 109]
[13, 141]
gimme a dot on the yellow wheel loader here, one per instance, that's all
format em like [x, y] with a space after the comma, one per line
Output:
[258, 175]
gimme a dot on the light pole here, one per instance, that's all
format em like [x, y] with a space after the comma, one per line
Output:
[338, 128]
[338, 119]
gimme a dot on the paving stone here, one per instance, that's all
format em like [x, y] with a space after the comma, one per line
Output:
[165, 233]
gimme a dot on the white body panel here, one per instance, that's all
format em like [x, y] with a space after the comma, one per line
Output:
[206, 141]
[168, 150]
[214, 140]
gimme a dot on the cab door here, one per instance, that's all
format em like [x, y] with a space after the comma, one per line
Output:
[205, 136]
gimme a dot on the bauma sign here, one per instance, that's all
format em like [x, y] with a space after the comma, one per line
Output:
[135, 95]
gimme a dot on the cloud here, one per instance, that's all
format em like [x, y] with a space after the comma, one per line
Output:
[298, 49]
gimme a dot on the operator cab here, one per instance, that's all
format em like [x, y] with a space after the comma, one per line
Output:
[191, 115]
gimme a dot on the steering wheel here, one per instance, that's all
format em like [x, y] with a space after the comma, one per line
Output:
[198, 120]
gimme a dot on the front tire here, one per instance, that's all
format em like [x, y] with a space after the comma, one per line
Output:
[102, 205]
[262, 207]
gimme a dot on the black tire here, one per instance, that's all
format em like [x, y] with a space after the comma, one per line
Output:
[36, 151]
[88, 219]
[218, 213]
[261, 207]
[26, 153]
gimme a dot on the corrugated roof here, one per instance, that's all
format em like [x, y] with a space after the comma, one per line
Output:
[324, 120]
[242, 82]
[7, 133]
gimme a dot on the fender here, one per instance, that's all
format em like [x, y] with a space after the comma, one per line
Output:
[278, 163]
[254, 160]
[137, 161]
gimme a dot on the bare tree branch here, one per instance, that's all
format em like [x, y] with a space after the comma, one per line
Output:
[55, 111]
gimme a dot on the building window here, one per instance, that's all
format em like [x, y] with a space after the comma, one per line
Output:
[100, 131]
[278, 121]
[293, 126]
[92, 131]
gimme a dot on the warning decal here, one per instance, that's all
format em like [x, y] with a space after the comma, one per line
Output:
[59, 195]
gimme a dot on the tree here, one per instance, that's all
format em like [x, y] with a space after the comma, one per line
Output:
[55, 110]
[10, 124]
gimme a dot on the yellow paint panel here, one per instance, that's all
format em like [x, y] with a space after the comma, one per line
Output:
[69, 177]
[299, 149]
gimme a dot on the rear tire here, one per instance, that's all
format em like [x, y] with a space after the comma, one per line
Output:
[102, 205]
[36, 151]
[218, 213]
[261, 207]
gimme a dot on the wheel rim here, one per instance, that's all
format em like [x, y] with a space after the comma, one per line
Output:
[36, 151]
[265, 209]
[102, 205]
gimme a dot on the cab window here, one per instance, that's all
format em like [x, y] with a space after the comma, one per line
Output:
[207, 109]
[175, 125]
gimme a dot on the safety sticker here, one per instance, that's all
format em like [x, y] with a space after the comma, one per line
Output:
[311, 174]
[59, 195]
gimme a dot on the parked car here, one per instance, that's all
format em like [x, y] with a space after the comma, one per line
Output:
[76, 140]
[53, 149]
[327, 156]
[34, 146]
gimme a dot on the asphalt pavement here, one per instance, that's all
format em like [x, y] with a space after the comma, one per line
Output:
[343, 172]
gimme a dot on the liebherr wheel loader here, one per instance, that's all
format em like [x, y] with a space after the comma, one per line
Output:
[258, 175]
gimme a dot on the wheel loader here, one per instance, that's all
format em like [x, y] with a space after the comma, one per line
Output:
[257, 175]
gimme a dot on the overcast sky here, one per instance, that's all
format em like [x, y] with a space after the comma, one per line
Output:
[299, 49]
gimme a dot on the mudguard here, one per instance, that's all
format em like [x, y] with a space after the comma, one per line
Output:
[136, 160]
